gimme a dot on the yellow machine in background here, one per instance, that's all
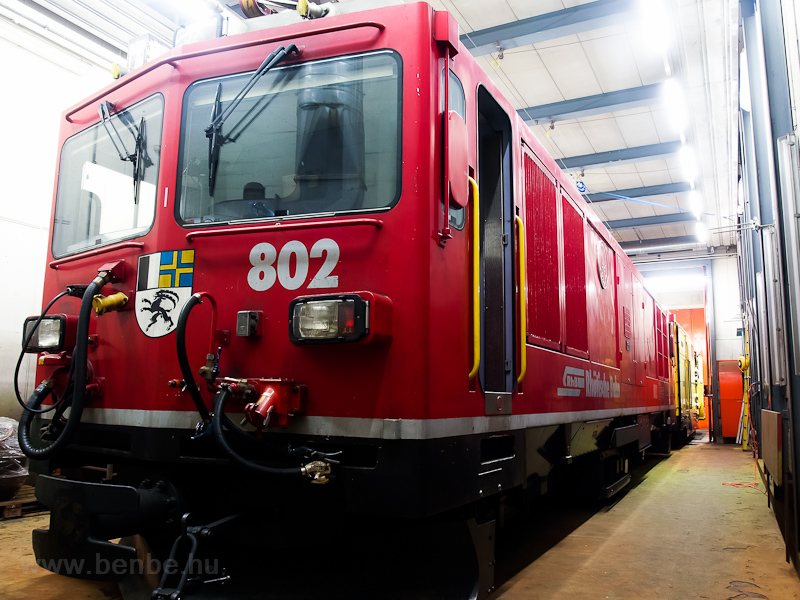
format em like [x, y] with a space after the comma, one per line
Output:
[744, 367]
[683, 371]
[697, 384]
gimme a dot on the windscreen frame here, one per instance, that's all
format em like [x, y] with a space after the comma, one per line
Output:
[242, 77]
[154, 140]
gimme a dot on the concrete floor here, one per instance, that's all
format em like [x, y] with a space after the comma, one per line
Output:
[678, 533]
[22, 579]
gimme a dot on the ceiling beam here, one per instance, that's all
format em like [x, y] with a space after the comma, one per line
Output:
[57, 29]
[619, 157]
[679, 217]
[598, 104]
[661, 244]
[549, 26]
[649, 269]
[640, 192]
[117, 25]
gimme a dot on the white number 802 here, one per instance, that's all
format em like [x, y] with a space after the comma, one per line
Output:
[264, 274]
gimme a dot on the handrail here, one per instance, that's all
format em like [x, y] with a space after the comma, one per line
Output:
[445, 233]
[523, 300]
[476, 276]
[54, 264]
[172, 59]
[281, 226]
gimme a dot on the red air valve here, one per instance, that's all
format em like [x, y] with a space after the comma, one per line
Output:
[279, 401]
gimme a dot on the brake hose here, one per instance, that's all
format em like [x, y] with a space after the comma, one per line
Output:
[221, 420]
[219, 410]
[79, 360]
[188, 377]
[183, 360]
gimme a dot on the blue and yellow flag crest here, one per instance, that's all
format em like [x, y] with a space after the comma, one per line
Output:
[163, 286]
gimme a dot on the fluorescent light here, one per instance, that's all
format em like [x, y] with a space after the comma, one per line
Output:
[701, 232]
[696, 204]
[688, 282]
[54, 33]
[192, 12]
[740, 198]
[656, 26]
[676, 107]
[744, 83]
[688, 161]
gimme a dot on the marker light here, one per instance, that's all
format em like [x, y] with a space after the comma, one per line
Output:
[49, 336]
[328, 319]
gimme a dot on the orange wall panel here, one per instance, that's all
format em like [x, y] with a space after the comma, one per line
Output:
[693, 321]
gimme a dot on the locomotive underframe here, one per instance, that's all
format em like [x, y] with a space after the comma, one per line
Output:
[154, 476]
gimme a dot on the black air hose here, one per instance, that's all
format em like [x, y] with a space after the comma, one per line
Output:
[183, 360]
[219, 410]
[188, 377]
[222, 420]
[79, 362]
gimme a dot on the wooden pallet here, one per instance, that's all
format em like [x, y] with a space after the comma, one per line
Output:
[24, 504]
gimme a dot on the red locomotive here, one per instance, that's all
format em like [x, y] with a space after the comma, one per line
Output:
[382, 283]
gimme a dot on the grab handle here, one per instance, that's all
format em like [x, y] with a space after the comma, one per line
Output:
[476, 275]
[523, 300]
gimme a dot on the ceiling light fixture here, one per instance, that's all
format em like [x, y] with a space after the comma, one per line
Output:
[696, 204]
[656, 27]
[701, 232]
[676, 107]
[688, 162]
[52, 32]
[191, 12]
[686, 282]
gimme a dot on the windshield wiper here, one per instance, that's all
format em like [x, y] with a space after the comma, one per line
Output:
[214, 129]
[215, 142]
[140, 160]
[238, 128]
[138, 157]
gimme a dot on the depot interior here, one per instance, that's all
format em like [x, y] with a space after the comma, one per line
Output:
[675, 118]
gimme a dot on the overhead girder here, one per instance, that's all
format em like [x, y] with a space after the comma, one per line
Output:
[640, 192]
[549, 26]
[619, 157]
[594, 105]
[678, 217]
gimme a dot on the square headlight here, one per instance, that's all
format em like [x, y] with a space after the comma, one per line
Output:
[328, 319]
[49, 336]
